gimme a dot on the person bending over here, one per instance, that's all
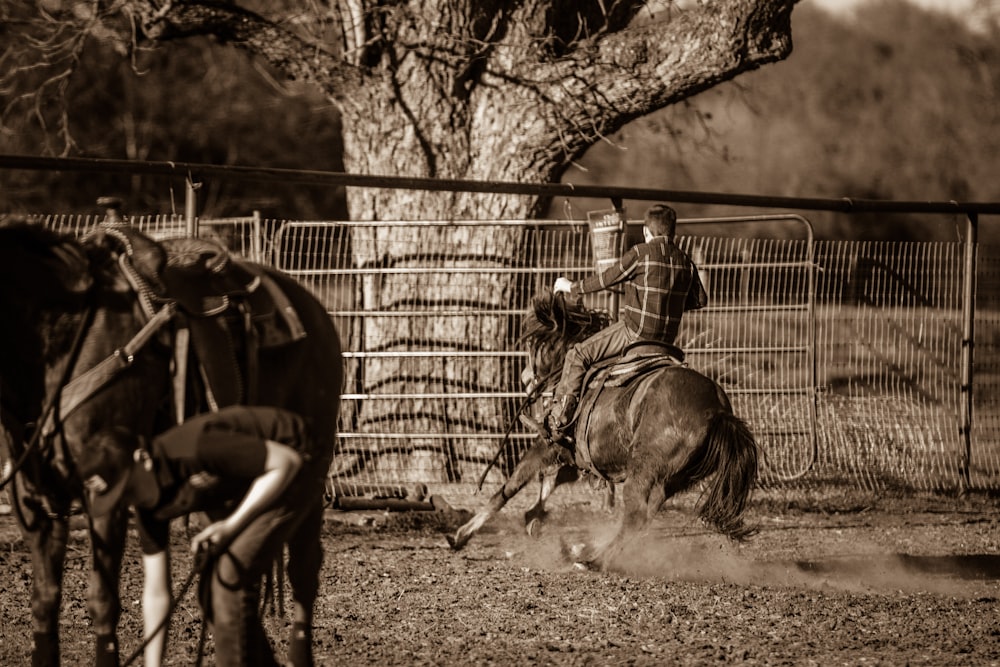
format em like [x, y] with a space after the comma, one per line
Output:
[248, 469]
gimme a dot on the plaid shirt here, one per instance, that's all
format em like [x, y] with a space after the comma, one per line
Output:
[662, 284]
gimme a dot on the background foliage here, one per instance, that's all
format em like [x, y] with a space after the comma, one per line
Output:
[890, 102]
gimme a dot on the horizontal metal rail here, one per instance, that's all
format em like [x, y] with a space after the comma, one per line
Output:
[191, 171]
[454, 396]
[359, 435]
[755, 307]
[388, 354]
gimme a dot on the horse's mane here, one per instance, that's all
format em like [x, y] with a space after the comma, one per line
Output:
[48, 279]
[560, 321]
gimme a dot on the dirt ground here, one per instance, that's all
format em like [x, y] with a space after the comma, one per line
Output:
[890, 581]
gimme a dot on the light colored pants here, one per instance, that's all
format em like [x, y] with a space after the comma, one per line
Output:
[609, 342]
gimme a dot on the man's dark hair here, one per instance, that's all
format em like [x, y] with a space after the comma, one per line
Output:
[661, 220]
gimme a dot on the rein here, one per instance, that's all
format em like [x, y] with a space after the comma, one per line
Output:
[530, 399]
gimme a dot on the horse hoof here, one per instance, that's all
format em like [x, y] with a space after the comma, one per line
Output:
[574, 552]
[534, 528]
[455, 543]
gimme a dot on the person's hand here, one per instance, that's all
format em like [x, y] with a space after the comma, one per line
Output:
[563, 284]
[215, 536]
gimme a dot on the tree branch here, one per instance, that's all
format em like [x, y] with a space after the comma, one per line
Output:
[618, 76]
[242, 28]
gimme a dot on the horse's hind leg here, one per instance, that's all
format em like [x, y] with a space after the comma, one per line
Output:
[305, 558]
[543, 456]
[643, 497]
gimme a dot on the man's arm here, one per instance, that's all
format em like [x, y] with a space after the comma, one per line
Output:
[155, 605]
[613, 275]
[697, 298]
[281, 464]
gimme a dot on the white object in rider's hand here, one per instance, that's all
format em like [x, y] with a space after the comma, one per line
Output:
[563, 285]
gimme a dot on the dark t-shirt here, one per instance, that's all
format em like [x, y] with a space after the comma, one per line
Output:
[209, 462]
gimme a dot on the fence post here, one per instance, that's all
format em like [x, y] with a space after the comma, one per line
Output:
[968, 338]
[607, 242]
[191, 206]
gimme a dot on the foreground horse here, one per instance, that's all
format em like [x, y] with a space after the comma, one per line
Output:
[86, 359]
[660, 431]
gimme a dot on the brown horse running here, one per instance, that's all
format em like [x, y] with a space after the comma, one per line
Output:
[85, 366]
[659, 434]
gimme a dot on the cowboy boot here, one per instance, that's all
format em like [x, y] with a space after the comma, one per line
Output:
[560, 416]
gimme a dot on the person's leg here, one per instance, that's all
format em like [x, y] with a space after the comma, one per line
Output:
[235, 589]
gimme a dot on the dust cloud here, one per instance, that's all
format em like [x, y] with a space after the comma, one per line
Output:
[709, 558]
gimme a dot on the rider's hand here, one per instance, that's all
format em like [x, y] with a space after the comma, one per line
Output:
[214, 536]
[563, 285]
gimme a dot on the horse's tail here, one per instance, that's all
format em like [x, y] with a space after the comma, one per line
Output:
[730, 452]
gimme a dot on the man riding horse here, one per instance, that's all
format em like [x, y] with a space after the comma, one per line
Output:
[661, 283]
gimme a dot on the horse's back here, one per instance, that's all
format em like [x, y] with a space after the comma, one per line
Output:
[684, 387]
[672, 404]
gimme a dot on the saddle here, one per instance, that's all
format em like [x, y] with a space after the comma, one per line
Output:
[227, 306]
[637, 361]
[226, 311]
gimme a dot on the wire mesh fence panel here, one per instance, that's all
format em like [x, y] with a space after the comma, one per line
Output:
[845, 358]
[756, 339]
[984, 457]
[890, 337]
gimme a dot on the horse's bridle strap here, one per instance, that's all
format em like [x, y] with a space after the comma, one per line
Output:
[85, 385]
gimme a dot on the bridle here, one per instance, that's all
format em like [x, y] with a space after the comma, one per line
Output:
[73, 392]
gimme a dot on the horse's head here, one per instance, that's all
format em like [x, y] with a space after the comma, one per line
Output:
[45, 285]
[555, 324]
[74, 311]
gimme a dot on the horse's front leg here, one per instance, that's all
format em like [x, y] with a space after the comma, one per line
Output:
[107, 538]
[535, 516]
[46, 536]
[541, 457]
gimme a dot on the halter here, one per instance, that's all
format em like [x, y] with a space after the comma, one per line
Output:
[72, 392]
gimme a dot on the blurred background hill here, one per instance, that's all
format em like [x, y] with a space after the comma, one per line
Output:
[889, 100]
